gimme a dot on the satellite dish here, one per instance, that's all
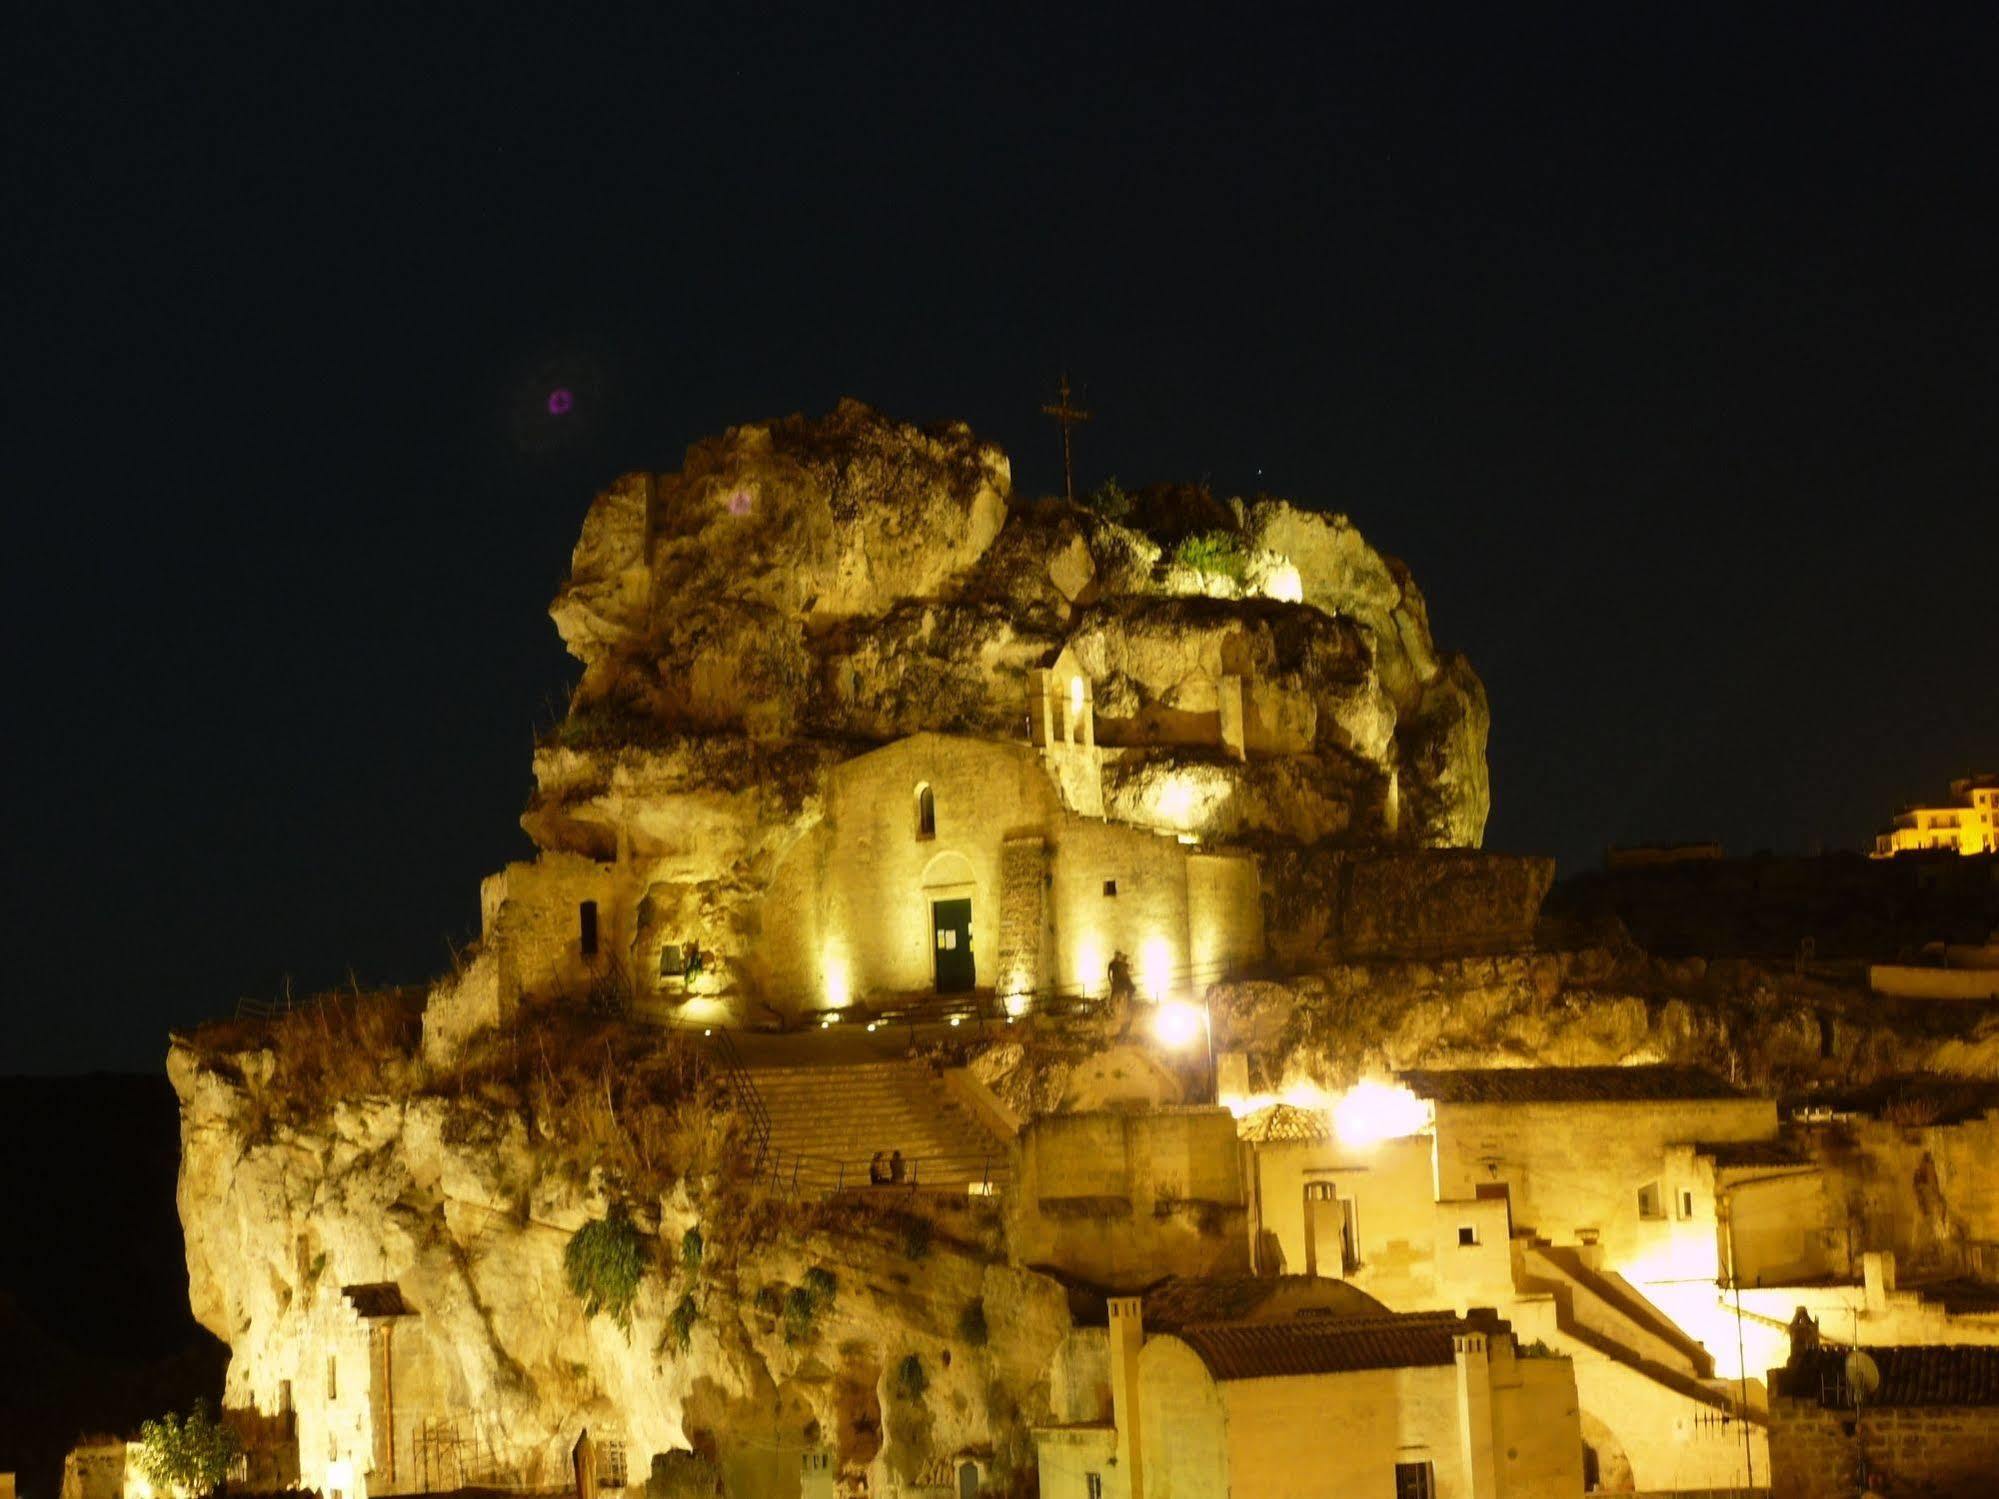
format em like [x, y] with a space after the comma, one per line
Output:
[1863, 1376]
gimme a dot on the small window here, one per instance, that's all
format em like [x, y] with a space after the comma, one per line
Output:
[926, 812]
[332, 1378]
[285, 1397]
[1467, 1236]
[1686, 1204]
[1110, 887]
[1650, 1204]
[1415, 1481]
[586, 928]
[1093, 1485]
[611, 1472]
[672, 961]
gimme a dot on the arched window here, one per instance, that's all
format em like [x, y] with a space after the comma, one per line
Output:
[926, 812]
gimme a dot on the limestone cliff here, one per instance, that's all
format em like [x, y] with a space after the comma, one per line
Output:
[325, 1172]
[1763, 1026]
[852, 580]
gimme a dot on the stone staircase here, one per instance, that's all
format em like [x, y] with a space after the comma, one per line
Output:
[827, 1122]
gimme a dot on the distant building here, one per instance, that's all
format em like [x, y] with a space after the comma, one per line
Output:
[1969, 824]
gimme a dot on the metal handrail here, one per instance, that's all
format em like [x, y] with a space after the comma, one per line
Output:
[790, 1171]
[744, 1089]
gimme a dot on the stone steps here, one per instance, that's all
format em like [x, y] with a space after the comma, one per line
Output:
[838, 1117]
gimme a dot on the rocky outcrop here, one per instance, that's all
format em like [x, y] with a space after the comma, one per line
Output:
[1765, 1027]
[854, 580]
[462, 1192]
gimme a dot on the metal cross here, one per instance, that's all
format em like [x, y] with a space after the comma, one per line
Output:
[1066, 416]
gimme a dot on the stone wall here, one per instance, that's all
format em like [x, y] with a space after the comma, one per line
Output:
[1926, 1192]
[1124, 1199]
[1025, 935]
[1817, 1453]
[1327, 905]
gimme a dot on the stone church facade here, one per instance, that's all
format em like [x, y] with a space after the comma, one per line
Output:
[935, 864]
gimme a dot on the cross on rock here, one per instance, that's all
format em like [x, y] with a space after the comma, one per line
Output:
[1066, 417]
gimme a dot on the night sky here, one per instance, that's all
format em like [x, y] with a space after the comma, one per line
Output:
[1663, 345]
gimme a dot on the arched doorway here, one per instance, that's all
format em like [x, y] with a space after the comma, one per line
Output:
[1606, 1468]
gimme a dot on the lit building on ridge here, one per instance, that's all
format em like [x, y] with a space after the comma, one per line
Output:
[1968, 825]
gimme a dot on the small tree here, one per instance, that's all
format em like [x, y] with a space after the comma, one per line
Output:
[1111, 502]
[187, 1455]
[1213, 554]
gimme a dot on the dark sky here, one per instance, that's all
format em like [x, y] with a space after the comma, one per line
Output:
[1661, 343]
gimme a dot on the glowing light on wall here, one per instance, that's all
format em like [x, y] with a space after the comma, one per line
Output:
[1177, 1024]
[1283, 583]
[1076, 697]
[1155, 967]
[1372, 1111]
[1018, 1005]
[340, 1477]
[1091, 975]
[1175, 800]
[838, 990]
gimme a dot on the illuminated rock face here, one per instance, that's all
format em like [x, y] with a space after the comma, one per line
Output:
[858, 578]
[787, 643]
[390, 1269]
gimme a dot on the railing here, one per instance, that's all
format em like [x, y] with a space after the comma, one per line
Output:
[793, 1174]
[743, 1089]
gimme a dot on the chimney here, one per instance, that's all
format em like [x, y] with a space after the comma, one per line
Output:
[1127, 1338]
[1475, 1411]
[1232, 1074]
[1324, 1218]
[1877, 1273]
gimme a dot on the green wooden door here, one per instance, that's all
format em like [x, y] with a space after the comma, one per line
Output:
[951, 940]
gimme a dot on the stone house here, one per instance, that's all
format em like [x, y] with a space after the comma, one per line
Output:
[102, 1466]
[1929, 1425]
[364, 1401]
[1540, 1192]
[1243, 1399]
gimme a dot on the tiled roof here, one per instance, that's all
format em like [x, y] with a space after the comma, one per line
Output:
[1941, 1374]
[380, 1298]
[1283, 1121]
[1330, 1345]
[1188, 1299]
[1960, 1296]
[1567, 1084]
